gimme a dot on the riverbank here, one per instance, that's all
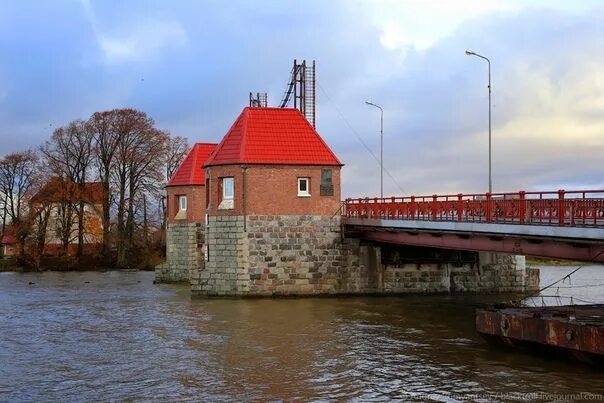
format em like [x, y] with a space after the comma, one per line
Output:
[9, 264]
[536, 261]
[67, 264]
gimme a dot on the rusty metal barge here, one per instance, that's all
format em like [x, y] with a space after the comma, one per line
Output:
[574, 332]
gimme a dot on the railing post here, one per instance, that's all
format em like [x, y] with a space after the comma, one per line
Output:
[434, 198]
[488, 208]
[459, 206]
[412, 207]
[561, 209]
[376, 208]
[522, 206]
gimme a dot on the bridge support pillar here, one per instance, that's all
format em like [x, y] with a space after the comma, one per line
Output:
[499, 272]
[409, 269]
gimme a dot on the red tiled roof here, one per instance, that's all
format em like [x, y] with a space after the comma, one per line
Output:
[8, 240]
[57, 189]
[10, 236]
[272, 136]
[190, 171]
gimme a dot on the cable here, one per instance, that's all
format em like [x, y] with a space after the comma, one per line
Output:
[358, 136]
[582, 286]
[571, 297]
[569, 274]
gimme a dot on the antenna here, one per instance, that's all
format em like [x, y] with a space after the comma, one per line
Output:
[260, 100]
[301, 88]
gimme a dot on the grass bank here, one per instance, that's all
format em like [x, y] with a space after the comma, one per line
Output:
[536, 261]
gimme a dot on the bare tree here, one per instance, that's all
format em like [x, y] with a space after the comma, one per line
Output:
[123, 150]
[3, 212]
[104, 127]
[70, 152]
[40, 210]
[16, 171]
[176, 151]
[140, 161]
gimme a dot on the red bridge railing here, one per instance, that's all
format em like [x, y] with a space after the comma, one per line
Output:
[583, 208]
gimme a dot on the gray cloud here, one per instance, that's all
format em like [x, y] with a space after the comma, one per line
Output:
[190, 66]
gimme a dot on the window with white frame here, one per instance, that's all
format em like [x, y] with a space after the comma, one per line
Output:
[228, 193]
[182, 203]
[304, 187]
[227, 188]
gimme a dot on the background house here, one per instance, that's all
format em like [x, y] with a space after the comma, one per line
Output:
[8, 242]
[56, 220]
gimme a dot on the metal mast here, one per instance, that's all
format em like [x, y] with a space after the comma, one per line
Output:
[301, 88]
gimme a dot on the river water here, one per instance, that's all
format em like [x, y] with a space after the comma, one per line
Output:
[115, 336]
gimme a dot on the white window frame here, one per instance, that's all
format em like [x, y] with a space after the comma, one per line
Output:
[304, 193]
[182, 206]
[224, 188]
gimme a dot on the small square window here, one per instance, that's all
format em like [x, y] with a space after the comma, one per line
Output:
[182, 203]
[304, 187]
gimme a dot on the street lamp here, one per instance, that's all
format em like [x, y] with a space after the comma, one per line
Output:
[470, 53]
[381, 147]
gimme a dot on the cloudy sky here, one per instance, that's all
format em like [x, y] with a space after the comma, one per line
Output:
[191, 64]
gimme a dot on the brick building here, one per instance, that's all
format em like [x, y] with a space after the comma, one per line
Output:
[185, 210]
[269, 196]
[55, 206]
[273, 207]
[8, 242]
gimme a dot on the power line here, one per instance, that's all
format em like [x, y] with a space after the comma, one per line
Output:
[358, 136]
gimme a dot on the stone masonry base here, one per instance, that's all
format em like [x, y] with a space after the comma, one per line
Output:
[183, 253]
[306, 255]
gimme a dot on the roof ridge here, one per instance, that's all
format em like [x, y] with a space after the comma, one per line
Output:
[270, 107]
[194, 162]
[220, 145]
[244, 134]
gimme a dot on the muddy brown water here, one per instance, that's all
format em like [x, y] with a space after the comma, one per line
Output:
[115, 336]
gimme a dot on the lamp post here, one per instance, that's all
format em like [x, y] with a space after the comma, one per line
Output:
[470, 53]
[381, 147]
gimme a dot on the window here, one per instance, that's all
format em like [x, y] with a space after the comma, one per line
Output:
[228, 192]
[304, 187]
[326, 187]
[227, 188]
[180, 207]
[182, 203]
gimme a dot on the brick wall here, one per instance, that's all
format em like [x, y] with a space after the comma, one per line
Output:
[273, 190]
[196, 203]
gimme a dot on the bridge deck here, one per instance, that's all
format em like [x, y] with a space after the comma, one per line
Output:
[540, 231]
[565, 225]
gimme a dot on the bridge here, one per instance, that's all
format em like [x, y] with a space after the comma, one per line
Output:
[557, 224]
